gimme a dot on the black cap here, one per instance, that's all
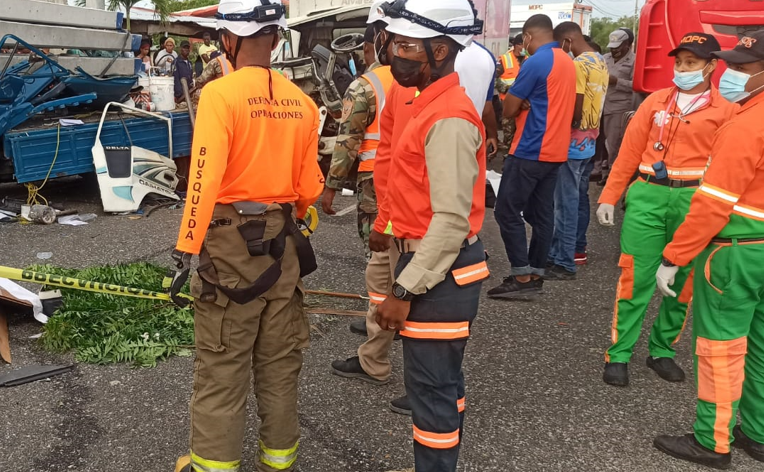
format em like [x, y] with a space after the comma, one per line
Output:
[518, 40]
[701, 44]
[750, 48]
[185, 44]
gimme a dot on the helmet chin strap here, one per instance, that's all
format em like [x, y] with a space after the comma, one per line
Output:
[436, 72]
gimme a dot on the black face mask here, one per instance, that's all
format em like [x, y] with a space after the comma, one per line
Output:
[407, 72]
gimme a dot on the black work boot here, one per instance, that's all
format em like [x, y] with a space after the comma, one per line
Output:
[401, 406]
[557, 272]
[616, 373]
[751, 447]
[689, 449]
[512, 288]
[351, 369]
[666, 368]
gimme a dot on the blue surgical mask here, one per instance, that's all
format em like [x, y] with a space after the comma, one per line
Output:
[688, 80]
[732, 85]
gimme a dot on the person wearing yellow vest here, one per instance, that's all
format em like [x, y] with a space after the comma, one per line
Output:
[507, 68]
[359, 138]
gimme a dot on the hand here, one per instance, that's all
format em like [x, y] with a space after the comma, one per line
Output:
[176, 277]
[526, 105]
[605, 214]
[379, 242]
[392, 314]
[665, 278]
[327, 200]
[613, 80]
[491, 147]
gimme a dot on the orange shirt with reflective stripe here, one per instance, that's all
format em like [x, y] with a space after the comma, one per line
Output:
[371, 138]
[511, 65]
[687, 144]
[392, 122]
[733, 185]
[256, 139]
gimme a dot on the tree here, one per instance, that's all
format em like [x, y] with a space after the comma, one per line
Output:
[161, 7]
[602, 27]
[178, 5]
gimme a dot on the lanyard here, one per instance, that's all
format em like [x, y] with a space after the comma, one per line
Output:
[658, 146]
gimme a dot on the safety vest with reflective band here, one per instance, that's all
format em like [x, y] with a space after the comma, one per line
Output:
[729, 203]
[380, 79]
[409, 186]
[511, 66]
[225, 66]
[205, 465]
[279, 459]
[686, 143]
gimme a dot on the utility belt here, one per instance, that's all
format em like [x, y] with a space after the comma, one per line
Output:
[406, 246]
[674, 183]
[729, 241]
[253, 232]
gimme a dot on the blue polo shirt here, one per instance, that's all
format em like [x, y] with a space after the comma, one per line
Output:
[547, 80]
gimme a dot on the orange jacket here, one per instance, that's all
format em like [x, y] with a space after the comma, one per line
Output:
[730, 201]
[511, 65]
[380, 79]
[409, 184]
[687, 141]
[256, 139]
[392, 122]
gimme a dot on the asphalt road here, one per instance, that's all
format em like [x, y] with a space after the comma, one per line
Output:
[535, 398]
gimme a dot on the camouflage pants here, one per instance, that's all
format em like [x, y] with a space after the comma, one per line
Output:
[508, 127]
[367, 212]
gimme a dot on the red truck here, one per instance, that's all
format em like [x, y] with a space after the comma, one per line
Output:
[662, 24]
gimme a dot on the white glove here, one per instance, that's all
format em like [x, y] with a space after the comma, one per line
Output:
[605, 214]
[664, 278]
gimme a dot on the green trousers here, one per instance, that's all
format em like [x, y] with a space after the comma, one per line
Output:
[728, 333]
[653, 214]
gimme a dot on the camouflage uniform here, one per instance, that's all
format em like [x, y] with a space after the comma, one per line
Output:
[358, 112]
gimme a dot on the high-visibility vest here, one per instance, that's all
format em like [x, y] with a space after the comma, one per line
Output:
[225, 66]
[381, 79]
[511, 68]
[408, 189]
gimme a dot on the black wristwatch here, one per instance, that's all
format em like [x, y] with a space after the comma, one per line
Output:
[668, 263]
[400, 292]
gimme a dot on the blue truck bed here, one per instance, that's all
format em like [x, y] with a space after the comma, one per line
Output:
[32, 148]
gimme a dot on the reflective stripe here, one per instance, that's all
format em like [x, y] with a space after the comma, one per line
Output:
[366, 155]
[377, 298]
[460, 404]
[279, 459]
[389, 228]
[223, 64]
[470, 274]
[678, 173]
[455, 330]
[379, 92]
[750, 212]
[718, 193]
[205, 465]
[436, 440]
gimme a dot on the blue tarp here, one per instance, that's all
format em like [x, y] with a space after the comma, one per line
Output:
[32, 151]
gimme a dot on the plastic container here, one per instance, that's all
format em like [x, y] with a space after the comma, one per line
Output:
[162, 90]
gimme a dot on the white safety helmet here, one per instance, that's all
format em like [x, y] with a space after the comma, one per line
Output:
[376, 13]
[247, 17]
[431, 18]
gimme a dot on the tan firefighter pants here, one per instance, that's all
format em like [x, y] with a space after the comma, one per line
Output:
[374, 354]
[264, 337]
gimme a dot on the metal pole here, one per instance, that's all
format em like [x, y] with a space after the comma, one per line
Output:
[636, 15]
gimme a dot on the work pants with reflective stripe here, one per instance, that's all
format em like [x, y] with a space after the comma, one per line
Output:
[653, 214]
[264, 337]
[728, 333]
[433, 349]
[374, 354]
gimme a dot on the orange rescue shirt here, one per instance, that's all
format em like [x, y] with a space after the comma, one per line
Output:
[687, 143]
[256, 139]
[730, 201]
[395, 116]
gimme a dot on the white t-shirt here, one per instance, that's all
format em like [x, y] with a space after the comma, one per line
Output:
[476, 67]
